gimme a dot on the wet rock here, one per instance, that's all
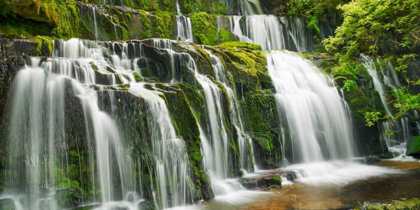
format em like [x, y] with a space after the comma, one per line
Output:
[371, 160]
[387, 155]
[266, 180]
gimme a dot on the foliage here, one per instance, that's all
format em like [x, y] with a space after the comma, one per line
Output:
[377, 28]
[374, 27]
[313, 10]
[405, 102]
[371, 118]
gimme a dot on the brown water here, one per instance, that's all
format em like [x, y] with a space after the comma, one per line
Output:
[304, 196]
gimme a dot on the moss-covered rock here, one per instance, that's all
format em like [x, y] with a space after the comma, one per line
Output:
[204, 27]
[187, 127]
[413, 146]
[262, 122]
[406, 204]
[163, 24]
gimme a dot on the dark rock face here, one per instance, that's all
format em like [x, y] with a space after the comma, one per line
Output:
[371, 160]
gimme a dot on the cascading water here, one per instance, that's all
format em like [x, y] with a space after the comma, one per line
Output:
[215, 142]
[213, 133]
[318, 123]
[183, 26]
[272, 32]
[171, 157]
[246, 156]
[383, 78]
[250, 7]
[316, 115]
[39, 117]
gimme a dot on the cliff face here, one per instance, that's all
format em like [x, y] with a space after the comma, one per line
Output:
[247, 113]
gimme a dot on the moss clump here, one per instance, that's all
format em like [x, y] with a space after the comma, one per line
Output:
[413, 146]
[195, 99]
[226, 36]
[146, 32]
[187, 127]
[23, 28]
[137, 77]
[240, 45]
[64, 15]
[204, 28]
[410, 204]
[209, 6]
[275, 180]
[262, 123]
[44, 44]
[250, 62]
[163, 24]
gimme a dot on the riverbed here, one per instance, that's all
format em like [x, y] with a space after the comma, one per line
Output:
[383, 188]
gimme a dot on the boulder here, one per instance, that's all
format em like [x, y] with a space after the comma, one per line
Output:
[413, 146]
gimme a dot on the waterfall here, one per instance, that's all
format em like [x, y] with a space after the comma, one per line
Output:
[272, 32]
[377, 84]
[213, 134]
[382, 79]
[246, 156]
[250, 7]
[183, 26]
[95, 24]
[311, 107]
[318, 123]
[39, 141]
[170, 151]
[215, 147]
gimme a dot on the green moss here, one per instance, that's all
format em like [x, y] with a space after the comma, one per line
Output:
[195, 99]
[410, 204]
[204, 28]
[209, 6]
[23, 28]
[240, 45]
[44, 44]
[276, 180]
[146, 32]
[261, 121]
[187, 127]
[163, 24]
[137, 77]
[226, 36]
[65, 16]
[413, 146]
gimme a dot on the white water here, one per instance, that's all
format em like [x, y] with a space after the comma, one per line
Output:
[382, 77]
[170, 151]
[336, 172]
[316, 115]
[38, 118]
[377, 84]
[183, 26]
[250, 7]
[272, 32]
[246, 155]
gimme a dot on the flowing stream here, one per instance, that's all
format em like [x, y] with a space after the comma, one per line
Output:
[93, 122]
